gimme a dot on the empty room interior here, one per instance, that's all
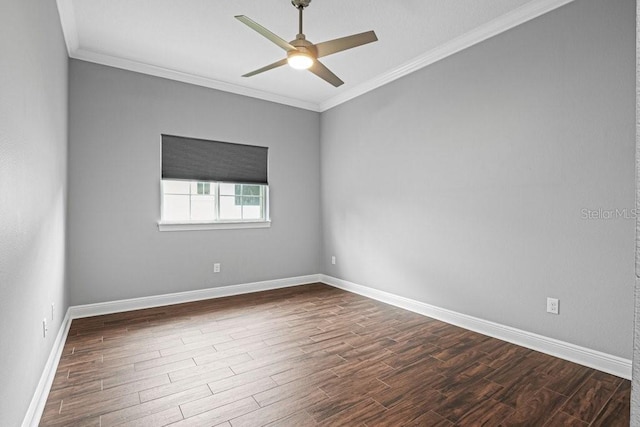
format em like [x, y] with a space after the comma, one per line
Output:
[431, 221]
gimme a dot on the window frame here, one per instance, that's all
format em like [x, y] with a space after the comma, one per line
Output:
[189, 225]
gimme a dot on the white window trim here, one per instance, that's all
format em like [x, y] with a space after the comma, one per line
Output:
[208, 225]
[216, 225]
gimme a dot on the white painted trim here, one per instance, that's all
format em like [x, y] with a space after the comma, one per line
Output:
[584, 356]
[34, 413]
[89, 310]
[221, 225]
[154, 70]
[69, 27]
[39, 399]
[499, 25]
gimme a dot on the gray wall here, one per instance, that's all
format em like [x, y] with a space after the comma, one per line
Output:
[462, 185]
[33, 164]
[115, 248]
[635, 384]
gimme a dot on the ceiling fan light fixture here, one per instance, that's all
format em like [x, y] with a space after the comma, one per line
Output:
[301, 53]
[300, 60]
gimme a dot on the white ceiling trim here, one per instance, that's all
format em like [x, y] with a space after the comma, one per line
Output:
[479, 34]
[153, 70]
[512, 19]
[69, 27]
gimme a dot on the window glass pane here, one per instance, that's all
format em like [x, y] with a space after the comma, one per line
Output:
[175, 187]
[198, 201]
[175, 208]
[238, 193]
[203, 208]
[227, 189]
[251, 201]
[229, 209]
[204, 188]
[250, 190]
[252, 212]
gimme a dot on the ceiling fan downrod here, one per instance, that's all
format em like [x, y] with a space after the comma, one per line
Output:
[300, 5]
[301, 53]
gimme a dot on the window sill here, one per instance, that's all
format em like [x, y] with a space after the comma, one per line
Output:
[226, 225]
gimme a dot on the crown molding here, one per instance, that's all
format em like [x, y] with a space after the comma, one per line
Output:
[499, 25]
[69, 26]
[153, 70]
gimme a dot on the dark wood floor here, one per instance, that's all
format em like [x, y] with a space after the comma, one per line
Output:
[314, 355]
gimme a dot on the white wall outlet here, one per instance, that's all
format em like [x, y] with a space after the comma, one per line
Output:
[45, 329]
[216, 267]
[553, 305]
[333, 260]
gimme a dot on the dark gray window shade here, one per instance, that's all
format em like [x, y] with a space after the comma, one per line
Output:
[202, 160]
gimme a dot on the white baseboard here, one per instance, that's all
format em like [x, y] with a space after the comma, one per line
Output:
[34, 412]
[98, 309]
[584, 356]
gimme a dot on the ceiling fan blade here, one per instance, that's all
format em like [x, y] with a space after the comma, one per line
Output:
[344, 43]
[266, 33]
[324, 73]
[267, 68]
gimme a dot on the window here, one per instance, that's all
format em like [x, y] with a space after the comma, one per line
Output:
[211, 184]
[191, 201]
[204, 188]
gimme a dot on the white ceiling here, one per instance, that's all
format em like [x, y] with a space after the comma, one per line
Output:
[200, 42]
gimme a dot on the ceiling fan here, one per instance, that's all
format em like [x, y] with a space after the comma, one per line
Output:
[301, 53]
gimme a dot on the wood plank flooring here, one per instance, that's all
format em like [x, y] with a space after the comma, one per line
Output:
[314, 355]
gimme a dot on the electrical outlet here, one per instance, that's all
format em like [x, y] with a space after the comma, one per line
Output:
[216, 267]
[45, 329]
[553, 305]
[333, 260]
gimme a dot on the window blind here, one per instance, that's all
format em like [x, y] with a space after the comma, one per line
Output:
[203, 160]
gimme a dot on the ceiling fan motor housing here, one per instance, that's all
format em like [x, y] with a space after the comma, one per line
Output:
[304, 46]
[301, 53]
